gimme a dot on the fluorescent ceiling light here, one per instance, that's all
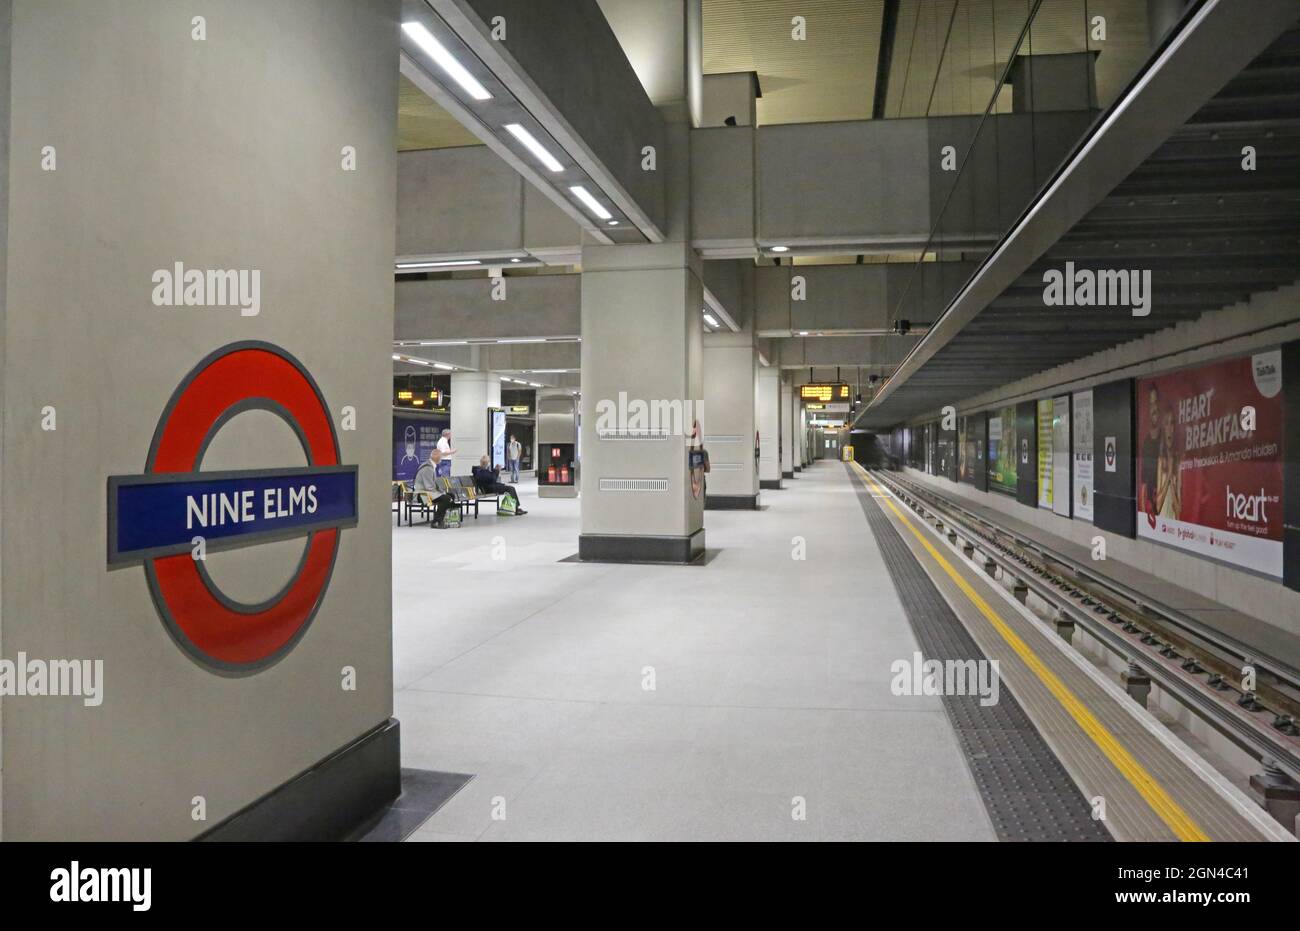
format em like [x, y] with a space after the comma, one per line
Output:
[803, 332]
[397, 358]
[593, 205]
[534, 384]
[780, 248]
[444, 367]
[530, 339]
[532, 145]
[711, 320]
[457, 264]
[444, 342]
[445, 60]
[613, 223]
[516, 260]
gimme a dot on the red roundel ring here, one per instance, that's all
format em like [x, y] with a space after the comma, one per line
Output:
[230, 638]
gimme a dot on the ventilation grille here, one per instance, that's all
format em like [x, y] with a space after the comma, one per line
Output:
[634, 484]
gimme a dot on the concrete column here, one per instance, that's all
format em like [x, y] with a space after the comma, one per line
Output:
[730, 364]
[787, 430]
[767, 413]
[641, 387]
[804, 452]
[167, 150]
[472, 393]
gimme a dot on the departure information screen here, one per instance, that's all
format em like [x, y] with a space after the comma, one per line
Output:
[824, 393]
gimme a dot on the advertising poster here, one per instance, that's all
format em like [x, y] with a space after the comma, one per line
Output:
[964, 463]
[497, 425]
[1002, 450]
[1082, 455]
[413, 439]
[1046, 412]
[1061, 454]
[1209, 470]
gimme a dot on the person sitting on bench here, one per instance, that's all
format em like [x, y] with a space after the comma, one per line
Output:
[488, 481]
[426, 483]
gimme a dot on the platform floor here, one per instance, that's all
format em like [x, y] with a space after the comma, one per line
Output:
[771, 683]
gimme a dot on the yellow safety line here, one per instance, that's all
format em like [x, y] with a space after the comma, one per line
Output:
[1160, 801]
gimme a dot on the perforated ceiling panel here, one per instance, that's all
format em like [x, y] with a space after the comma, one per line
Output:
[829, 76]
[422, 124]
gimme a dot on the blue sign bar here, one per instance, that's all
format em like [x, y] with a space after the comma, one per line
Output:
[154, 515]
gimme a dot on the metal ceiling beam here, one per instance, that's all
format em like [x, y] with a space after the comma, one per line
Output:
[885, 57]
[1215, 45]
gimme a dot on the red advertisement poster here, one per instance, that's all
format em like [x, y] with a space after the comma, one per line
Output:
[1209, 469]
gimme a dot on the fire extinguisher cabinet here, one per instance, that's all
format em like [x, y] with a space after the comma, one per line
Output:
[557, 446]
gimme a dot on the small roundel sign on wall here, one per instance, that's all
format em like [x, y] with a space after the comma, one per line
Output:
[173, 513]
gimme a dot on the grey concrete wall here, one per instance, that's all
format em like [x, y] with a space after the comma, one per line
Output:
[472, 393]
[767, 421]
[732, 283]
[519, 356]
[6, 16]
[843, 297]
[730, 367]
[464, 200]
[877, 182]
[535, 305]
[467, 201]
[722, 193]
[787, 426]
[883, 180]
[866, 351]
[1011, 157]
[844, 181]
[641, 334]
[222, 153]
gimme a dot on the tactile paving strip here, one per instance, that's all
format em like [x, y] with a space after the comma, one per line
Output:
[1027, 792]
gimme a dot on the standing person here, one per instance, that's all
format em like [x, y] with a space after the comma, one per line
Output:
[488, 481]
[447, 451]
[512, 456]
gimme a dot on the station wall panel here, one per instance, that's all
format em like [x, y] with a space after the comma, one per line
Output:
[1115, 501]
[1027, 453]
[973, 462]
[948, 453]
[1291, 465]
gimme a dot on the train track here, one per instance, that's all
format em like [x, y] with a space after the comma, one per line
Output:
[1200, 667]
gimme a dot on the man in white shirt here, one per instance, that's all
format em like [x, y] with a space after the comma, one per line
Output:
[445, 447]
[512, 456]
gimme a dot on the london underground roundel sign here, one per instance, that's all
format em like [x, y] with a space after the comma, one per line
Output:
[166, 517]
